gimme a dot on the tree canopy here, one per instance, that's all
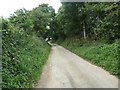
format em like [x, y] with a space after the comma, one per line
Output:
[89, 20]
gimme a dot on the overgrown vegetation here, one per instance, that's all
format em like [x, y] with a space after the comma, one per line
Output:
[24, 50]
[23, 59]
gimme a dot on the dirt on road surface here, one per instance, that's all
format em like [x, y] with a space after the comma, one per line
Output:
[64, 69]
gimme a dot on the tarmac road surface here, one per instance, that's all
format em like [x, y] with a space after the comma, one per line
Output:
[64, 69]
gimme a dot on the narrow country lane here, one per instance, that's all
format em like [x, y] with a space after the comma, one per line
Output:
[66, 70]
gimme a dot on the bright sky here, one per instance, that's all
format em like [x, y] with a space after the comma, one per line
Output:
[8, 7]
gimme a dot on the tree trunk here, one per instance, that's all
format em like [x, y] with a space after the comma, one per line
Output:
[84, 32]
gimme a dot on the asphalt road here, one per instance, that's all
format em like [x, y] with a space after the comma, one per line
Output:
[64, 69]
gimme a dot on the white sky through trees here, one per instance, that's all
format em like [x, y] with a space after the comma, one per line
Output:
[8, 7]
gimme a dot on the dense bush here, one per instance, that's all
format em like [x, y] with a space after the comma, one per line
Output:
[101, 54]
[24, 54]
[23, 57]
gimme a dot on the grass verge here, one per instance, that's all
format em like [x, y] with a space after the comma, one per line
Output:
[100, 54]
